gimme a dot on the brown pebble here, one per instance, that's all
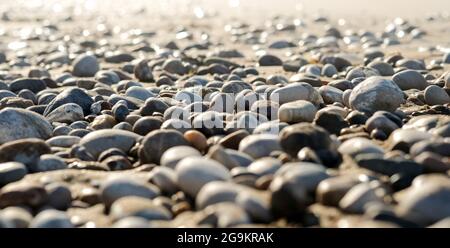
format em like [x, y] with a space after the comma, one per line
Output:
[196, 139]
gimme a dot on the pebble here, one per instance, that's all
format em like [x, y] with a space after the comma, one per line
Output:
[435, 95]
[34, 85]
[269, 60]
[66, 113]
[71, 95]
[32, 125]
[425, 201]
[194, 172]
[260, 145]
[26, 151]
[356, 146]
[291, 188]
[375, 94]
[135, 206]
[26, 193]
[116, 188]
[11, 172]
[297, 111]
[19, 217]
[51, 219]
[101, 140]
[410, 79]
[143, 72]
[85, 66]
[49, 162]
[172, 156]
[359, 197]
[59, 196]
[157, 142]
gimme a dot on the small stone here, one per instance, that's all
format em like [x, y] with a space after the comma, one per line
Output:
[21, 192]
[260, 145]
[49, 162]
[34, 85]
[143, 72]
[331, 190]
[133, 206]
[269, 60]
[66, 113]
[26, 151]
[172, 156]
[59, 196]
[98, 141]
[153, 105]
[11, 172]
[51, 219]
[410, 79]
[298, 136]
[193, 173]
[116, 163]
[175, 66]
[385, 69]
[264, 166]
[18, 124]
[157, 142]
[118, 187]
[446, 58]
[435, 95]
[139, 93]
[356, 146]
[19, 217]
[293, 186]
[85, 66]
[297, 111]
[196, 139]
[359, 197]
[165, 178]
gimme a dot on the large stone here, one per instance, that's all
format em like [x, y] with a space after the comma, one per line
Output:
[20, 124]
[66, 113]
[376, 93]
[71, 95]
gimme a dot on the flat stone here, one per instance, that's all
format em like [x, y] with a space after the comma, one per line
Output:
[138, 207]
[297, 111]
[260, 145]
[101, 140]
[115, 188]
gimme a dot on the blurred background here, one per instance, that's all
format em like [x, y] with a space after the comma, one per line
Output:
[205, 8]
